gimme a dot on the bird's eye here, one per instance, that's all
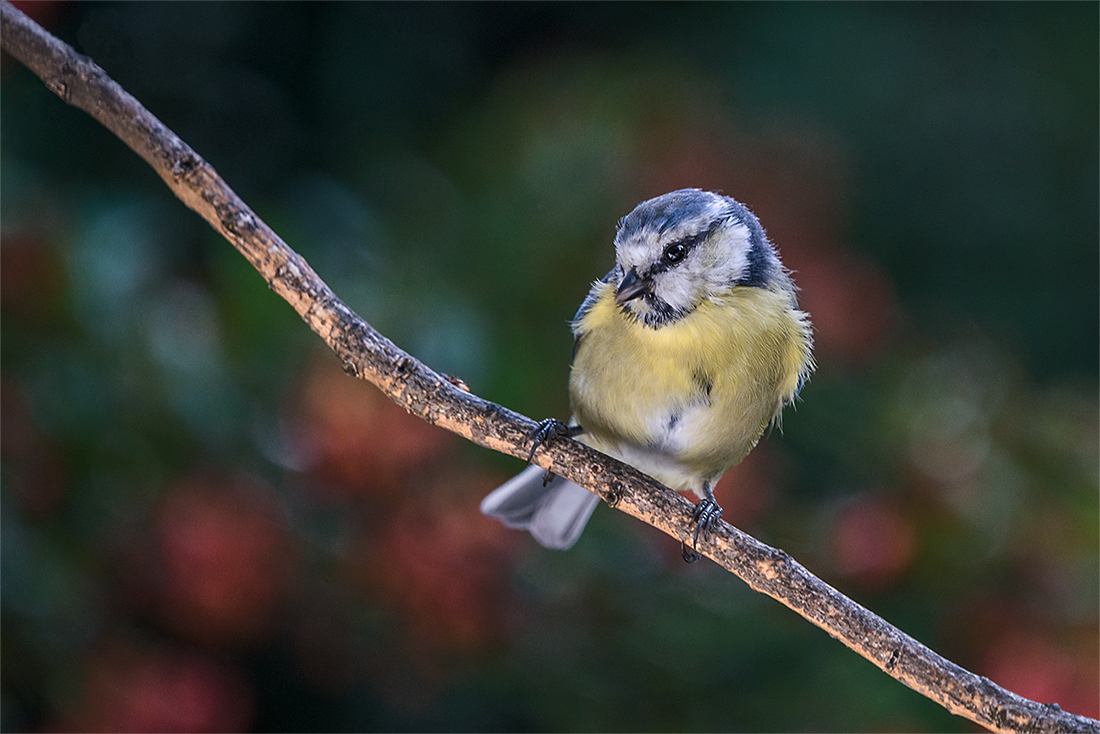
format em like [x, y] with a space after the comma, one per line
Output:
[674, 253]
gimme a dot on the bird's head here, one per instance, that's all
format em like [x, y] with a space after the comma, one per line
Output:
[677, 250]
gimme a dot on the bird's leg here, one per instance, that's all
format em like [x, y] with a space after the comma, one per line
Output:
[706, 515]
[547, 430]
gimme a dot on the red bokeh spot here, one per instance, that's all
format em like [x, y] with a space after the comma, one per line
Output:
[748, 490]
[1039, 668]
[132, 688]
[850, 301]
[873, 541]
[224, 561]
[444, 565]
[34, 463]
[357, 440]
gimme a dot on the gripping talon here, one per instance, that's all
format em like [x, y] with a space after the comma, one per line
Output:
[689, 555]
[547, 430]
[706, 515]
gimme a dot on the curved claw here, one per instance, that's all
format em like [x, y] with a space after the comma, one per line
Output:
[706, 516]
[547, 430]
[689, 555]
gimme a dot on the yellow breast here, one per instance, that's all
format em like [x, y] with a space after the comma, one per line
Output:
[686, 401]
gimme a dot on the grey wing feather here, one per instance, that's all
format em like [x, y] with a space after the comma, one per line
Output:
[554, 514]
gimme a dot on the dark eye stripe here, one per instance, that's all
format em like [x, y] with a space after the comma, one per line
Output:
[675, 252]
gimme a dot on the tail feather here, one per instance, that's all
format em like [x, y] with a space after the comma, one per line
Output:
[554, 514]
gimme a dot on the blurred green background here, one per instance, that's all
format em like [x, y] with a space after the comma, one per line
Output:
[207, 526]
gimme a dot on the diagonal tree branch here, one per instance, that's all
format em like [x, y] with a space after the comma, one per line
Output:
[369, 355]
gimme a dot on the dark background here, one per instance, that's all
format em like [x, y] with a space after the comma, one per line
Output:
[207, 526]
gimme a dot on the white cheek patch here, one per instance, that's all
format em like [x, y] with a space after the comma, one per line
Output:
[679, 289]
[729, 263]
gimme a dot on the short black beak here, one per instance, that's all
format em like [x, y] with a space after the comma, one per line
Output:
[631, 287]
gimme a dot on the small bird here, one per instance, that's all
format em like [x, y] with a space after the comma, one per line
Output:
[682, 355]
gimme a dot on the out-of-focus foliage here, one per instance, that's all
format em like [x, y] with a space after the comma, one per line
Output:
[207, 526]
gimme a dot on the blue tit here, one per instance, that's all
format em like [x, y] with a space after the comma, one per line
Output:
[683, 355]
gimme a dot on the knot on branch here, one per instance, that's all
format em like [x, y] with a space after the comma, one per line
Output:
[58, 86]
[404, 367]
[289, 274]
[892, 661]
[186, 164]
[68, 68]
[237, 222]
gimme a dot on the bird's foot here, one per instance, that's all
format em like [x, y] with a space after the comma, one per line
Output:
[706, 516]
[688, 554]
[547, 430]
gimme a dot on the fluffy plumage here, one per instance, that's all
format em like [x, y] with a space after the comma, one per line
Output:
[684, 353]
